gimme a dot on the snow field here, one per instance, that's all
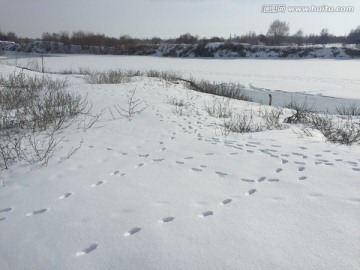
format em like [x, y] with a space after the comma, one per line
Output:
[165, 191]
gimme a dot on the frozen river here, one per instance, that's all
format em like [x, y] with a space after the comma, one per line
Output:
[324, 83]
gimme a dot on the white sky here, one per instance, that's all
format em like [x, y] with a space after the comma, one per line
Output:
[167, 18]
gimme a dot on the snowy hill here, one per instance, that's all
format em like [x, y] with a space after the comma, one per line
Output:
[167, 190]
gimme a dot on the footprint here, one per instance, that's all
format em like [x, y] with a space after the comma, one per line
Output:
[37, 212]
[98, 183]
[251, 191]
[158, 160]
[206, 214]
[132, 231]
[179, 162]
[66, 195]
[302, 147]
[1, 219]
[250, 151]
[247, 180]
[302, 178]
[6, 210]
[188, 157]
[233, 154]
[278, 170]
[329, 163]
[209, 154]
[167, 219]
[299, 163]
[144, 156]
[273, 180]
[124, 154]
[261, 179]
[163, 149]
[283, 161]
[196, 169]
[301, 169]
[203, 166]
[87, 250]
[226, 201]
[356, 169]
[91, 146]
[109, 149]
[139, 165]
[222, 174]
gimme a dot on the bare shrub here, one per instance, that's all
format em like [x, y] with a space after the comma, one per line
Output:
[337, 130]
[33, 111]
[220, 108]
[107, 77]
[134, 107]
[351, 109]
[271, 118]
[302, 113]
[240, 123]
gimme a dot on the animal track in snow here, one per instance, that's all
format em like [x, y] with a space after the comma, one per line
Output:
[247, 180]
[37, 212]
[109, 149]
[206, 214]
[300, 169]
[233, 154]
[278, 170]
[203, 166]
[273, 180]
[65, 196]
[221, 174]
[179, 162]
[117, 173]
[283, 161]
[144, 155]
[302, 178]
[226, 201]
[209, 154]
[139, 165]
[329, 163]
[87, 250]
[132, 231]
[300, 163]
[8, 209]
[251, 191]
[98, 183]
[250, 151]
[356, 169]
[196, 169]
[1, 219]
[262, 178]
[188, 157]
[167, 219]
[158, 159]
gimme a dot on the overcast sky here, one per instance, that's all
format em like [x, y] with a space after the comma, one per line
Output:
[167, 18]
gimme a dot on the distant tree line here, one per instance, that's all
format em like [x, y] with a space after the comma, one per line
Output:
[277, 34]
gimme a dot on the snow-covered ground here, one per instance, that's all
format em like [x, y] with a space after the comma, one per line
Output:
[165, 191]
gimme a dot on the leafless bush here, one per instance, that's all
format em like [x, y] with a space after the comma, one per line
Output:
[33, 111]
[271, 117]
[220, 108]
[39, 146]
[134, 73]
[337, 130]
[134, 107]
[229, 90]
[302, 113]
[107, 77]
[240, 123]
[351, 109]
